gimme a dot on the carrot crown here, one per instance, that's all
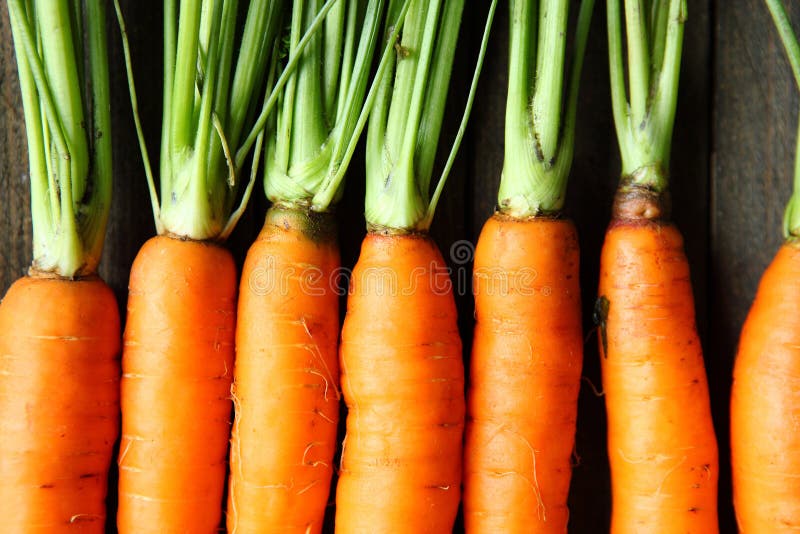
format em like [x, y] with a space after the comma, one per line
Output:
[540, 130]
[406, 119]
[791, 218]
[63, 74]
[321, 110]
[644, 124]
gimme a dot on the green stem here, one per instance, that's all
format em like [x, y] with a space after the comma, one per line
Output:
[787, 35]
[338, 30]
[93, 226]
[436, 92]
[426, 223]
[421, 88]
[62, 246]
[309, 131]
[282, 152]
[44, 208]
[549, 77]
[519, 163]
[539, 148]
[581, 41]
[354, 126]
[263, 19]
[67, 119]
[261, 120]
[169, 58]
[619, 97]
[341, 87]
[182, 110]
[791, 219]
[395, 198]
[406, 121]
[307, 158]
[644, 129]
[62, 73]
[638, 58]
[665, 100]
[658, 32]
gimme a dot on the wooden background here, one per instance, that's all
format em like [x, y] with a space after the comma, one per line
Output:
[731, 173]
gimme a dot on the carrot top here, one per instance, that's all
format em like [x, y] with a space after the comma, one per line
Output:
[209, 96]
[321, 110]
[212, 85]
[406, 120]
[63, 74]
[644, 124]
[791, 218]
[540, 129]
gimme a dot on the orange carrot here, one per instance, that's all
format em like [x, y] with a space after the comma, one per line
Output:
[286, 376]
[59, 400]
[177, 365]
[527, 350]
[402, 378]
[59, 326]
[765, 403]
[524, 376]
[661, 443]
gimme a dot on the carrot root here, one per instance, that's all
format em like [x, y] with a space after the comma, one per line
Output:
[59, 403]
[765, 404]
[661, 442]
[286, 377]
[524, 376]
[403, 382]
[177, 367]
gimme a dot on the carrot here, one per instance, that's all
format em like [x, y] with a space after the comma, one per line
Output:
[176, 287]
[401, 366]
[764, 401]
[286, 378]
[661, 444]
[59, 326]
[524, 376]
[178, 349]
[765, 441]
[57, 440]
[403, 382]
[527, 351]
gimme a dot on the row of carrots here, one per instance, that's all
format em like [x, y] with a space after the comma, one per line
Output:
[286, 89]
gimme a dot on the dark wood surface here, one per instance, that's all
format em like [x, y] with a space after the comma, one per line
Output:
[731, 176]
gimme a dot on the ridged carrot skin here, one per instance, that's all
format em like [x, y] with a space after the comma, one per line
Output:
[765, 403]
[524, 376]
[59, 403]
[286, 377]
[177, 365]
[403, 381]
[661, 443]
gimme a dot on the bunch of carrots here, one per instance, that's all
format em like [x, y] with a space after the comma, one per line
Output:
[224, 391]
